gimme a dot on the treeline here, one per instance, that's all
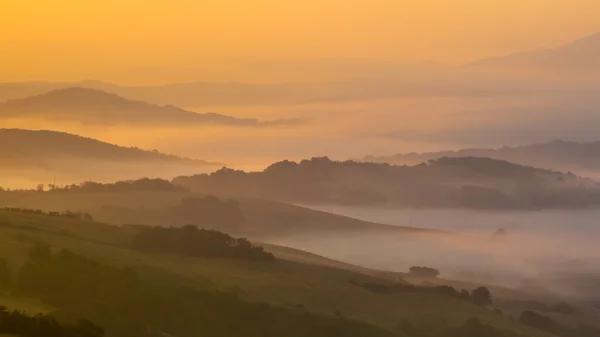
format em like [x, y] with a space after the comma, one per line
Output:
[191, 241]
[22, 325]
[144, 184]
[480, 296]
[66, 214]
[127, 305]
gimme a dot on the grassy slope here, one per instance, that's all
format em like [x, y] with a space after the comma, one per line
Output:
[316, 288]
[264, 218]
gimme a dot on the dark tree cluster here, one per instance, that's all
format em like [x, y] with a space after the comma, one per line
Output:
[424, 272]
[17, 323]
[480, 296]
[144, 184]
[66, 214]
[191, 241]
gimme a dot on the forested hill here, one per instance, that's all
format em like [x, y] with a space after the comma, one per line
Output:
[468, 182]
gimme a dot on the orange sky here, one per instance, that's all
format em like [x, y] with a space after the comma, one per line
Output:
[77, 39]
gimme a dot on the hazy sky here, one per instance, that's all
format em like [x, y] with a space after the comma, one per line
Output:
[75, 39]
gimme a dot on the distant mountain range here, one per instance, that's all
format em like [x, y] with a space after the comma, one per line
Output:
[35, 155]
[576, 60]
[559, 155]
[420, 83]
[465, 182]
[580, 58]
[92, 106]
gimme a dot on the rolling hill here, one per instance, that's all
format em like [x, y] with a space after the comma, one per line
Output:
[579, 59]
[159, 202]
[467, 182]
[27, 154]
[128, 291]
[95, 107]
[559, 155]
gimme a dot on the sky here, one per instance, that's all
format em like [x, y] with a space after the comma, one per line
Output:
[119, 40]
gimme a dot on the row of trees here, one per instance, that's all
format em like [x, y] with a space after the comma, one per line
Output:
[424, 272]
[191, 241]
[67, 214]
[480, 296]
[119, 186]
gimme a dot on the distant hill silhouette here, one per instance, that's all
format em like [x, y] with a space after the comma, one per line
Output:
[28, 153]
[446, 182]
[559, 155]
[199, 94]
[92, 106]
[581, 57]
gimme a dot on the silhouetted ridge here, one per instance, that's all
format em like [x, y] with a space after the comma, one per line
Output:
[558, 154]
[446, 182]
[580, 56]
[19, 143]
[92, 106]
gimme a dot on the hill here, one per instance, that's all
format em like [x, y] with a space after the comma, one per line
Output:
[579, 59]
[96, 107]
[89, 269]
[406, 83]
[559, 155]
[43, 155]
[159, 202]
[446, 182]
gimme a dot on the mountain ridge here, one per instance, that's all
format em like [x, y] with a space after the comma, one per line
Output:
[461, 182]
[578, 56]
[557, 154]
[94, 106]
[30, 157]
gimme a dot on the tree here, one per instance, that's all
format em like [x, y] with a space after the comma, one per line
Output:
[425, 272]
[481, 296]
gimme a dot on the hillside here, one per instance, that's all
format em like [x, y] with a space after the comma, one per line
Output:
[128, 291]
[95, 107]
[158, 202]
[558, 155]
[467, 182]
[43, 155]
[577, 59]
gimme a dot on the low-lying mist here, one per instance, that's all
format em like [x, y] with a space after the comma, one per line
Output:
[554, 251]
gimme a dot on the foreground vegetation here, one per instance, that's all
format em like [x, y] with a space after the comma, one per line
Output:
[85, 269]
[17, 323]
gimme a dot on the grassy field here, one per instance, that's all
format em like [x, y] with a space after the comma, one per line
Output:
[299, 280]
